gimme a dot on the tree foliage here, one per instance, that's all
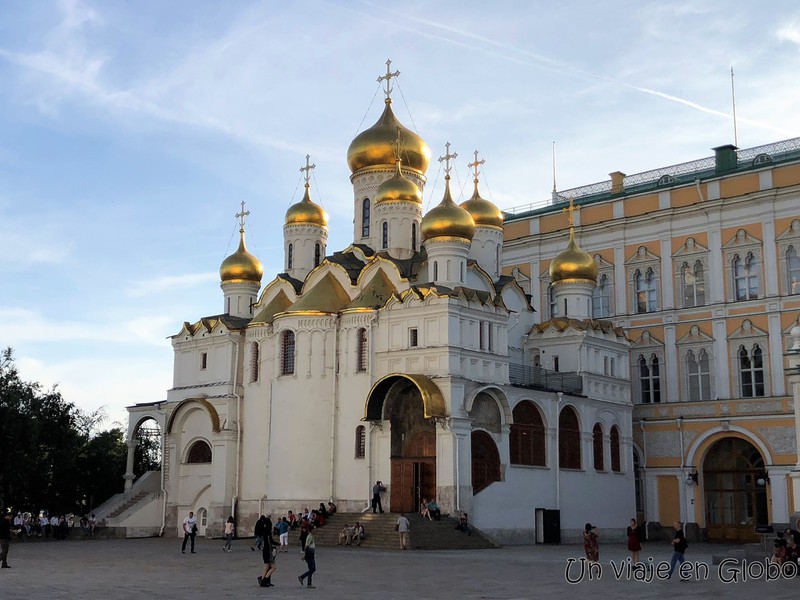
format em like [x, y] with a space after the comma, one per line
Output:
[52, 456]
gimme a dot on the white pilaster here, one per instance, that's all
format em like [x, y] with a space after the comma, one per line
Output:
[671, 364]
[667, 276]
[620, 283]
[770, 259]
[722, 383]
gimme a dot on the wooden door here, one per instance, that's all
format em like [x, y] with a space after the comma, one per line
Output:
[403, 485]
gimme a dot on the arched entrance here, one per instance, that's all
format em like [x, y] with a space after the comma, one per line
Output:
[735, 503]
[485, 461]
[410, 403]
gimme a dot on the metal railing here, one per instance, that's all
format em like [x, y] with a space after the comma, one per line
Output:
[544, 379]
[669, 174]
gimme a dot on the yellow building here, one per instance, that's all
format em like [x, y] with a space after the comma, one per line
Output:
[700, 264]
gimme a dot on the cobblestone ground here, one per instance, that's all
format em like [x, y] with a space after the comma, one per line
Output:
[155, 568]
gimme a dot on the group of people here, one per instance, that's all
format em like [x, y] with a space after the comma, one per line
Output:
[56, 526]
[787, 547]
[591, 546]
[352, 534]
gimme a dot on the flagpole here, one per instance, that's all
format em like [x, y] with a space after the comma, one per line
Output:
[733, 100]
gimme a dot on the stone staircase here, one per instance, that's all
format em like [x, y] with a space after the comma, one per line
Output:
[425, 534]
[135, 499]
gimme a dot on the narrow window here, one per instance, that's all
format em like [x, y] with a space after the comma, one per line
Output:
[649, 379]
[745, 277]
[481, 337]
[597, 447]
[693, 280]
[555, 363]
[435, 271]
[645, 287]
[793, 270]
[385, 235]
[601, 299]
[527, 436]
[254, 362]
[414, 237]
[699, 376]
[317, 253]
[569, 440]
[287, 353]
[413, 338]
[490, 335]
[751, 372]
[462, 273]
[365, 218]
[361, 356]
[361, 441]
[203, 360]
[551, 299]
[290, 257]
[616, 466]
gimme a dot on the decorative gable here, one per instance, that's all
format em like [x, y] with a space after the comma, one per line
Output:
[695, 336]
[792, 232]
[689, 248]
[742, 240]
[642, 256]
[646, 340]
[747, 330]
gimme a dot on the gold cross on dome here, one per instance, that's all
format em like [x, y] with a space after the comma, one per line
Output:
[476, 164]
[307, 169]
[446, 158]
[242, 215]
[571, 210]
[388, 78]
[397, 143]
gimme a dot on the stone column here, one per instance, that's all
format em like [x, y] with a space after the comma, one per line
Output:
[129, 474]
[793, 373]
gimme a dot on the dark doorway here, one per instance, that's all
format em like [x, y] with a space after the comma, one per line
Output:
[414, 474]
[485, 461]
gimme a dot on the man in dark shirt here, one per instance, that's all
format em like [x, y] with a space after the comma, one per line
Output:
[5, 539]
[679, 546]
[376, 496]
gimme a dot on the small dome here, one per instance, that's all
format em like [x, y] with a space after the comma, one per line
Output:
[573, 263]
[375, 146]
[306, 212]
[398, 188]
[241, 265]
[447, 219]
[484, 213]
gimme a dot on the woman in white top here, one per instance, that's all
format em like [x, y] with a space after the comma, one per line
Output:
[228, 535]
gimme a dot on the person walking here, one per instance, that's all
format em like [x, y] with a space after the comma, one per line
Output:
[189, 531]
[283, 534]
[5, 539]
[259, 533]
[590, 545]
[228, 534]
[310, 558]
[679, 547]
[404, 528]
[376, 496]
[268, 555]
[634, 544]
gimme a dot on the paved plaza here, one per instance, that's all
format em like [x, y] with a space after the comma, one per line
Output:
[155, 568]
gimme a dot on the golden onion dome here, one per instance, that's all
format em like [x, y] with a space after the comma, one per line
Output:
[447, 219]
[241, 265]
[484, 213]
[573, 263]
[376, 146]
[398, 188]
[306, 212]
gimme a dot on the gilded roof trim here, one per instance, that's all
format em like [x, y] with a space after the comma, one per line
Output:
[432, 398]
[212, 413]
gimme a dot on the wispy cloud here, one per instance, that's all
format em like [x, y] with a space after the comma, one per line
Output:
[790, 32]
[169, 283]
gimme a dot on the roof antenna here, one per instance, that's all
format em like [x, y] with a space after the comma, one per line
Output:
[733, 100]
[554, 198]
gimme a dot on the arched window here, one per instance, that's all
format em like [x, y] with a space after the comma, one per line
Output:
[751, 372]
[793, 270]
[615, 453]
[526, 440]
[551, 300]
[414, 237]
[645, 286]
[361, 441]
[365, 218]
[199, 452]
[317, 254]
[699, 375]
[649, 379]
[254, 362]
[289, 257]
[601, 299]
[569, 440]
[745, 276]
[361, 350]
[287, 353]
[693, 280]
[597, 447]
[385, 235]
[485, 461]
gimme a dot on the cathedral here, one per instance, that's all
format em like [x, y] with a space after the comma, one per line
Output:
[409, 357]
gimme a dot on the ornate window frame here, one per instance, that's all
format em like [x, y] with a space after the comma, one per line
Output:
[690, 254]
[366, 209]
[604, 269]
[362, 349]
[640, 266]
[786, 240]
[648, 347]
[288, 352]
[741, 246]
[748, 336]
[692, 346]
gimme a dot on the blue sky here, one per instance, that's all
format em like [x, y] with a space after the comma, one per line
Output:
[131, 131]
